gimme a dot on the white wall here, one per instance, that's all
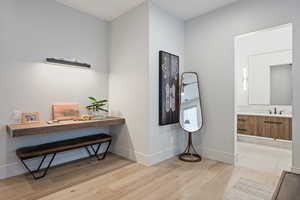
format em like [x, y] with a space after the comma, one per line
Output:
[209, 50]
[166, 33]
[32, 30]
[129, 82]
[136, 39]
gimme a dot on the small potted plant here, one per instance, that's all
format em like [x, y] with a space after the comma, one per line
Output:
[96, 108]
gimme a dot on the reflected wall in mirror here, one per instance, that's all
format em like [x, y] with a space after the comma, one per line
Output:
[270, 78]
[191, 119]
[264, 67]
[281, 84]
[190, 105]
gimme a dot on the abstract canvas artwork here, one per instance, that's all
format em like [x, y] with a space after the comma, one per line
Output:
[168, 88]
[65, 111]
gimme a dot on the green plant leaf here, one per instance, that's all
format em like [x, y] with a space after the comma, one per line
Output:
[93, 99]
[89, 107]
[101, 101]
[103, 109]
[97, 105]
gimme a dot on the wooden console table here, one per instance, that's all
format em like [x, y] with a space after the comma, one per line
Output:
[18, 130]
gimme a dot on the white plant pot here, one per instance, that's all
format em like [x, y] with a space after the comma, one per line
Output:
[98, 115]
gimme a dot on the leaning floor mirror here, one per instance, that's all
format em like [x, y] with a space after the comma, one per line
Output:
[191, 119]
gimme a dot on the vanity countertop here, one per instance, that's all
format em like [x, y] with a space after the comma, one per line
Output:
[284, 115]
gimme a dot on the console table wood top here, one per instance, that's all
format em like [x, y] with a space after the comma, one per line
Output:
[18, 130]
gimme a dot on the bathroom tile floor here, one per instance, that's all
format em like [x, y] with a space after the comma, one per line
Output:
[263, 158]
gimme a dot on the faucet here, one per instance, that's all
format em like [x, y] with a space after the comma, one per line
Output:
[275, 111]
[281, 112]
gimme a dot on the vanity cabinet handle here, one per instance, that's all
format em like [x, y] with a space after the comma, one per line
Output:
[270, 122]
[242, 120]
[242, 129]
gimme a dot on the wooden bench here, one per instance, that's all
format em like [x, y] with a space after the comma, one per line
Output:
[91, 143]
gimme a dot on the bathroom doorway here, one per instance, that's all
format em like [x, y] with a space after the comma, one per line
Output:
[263, 99]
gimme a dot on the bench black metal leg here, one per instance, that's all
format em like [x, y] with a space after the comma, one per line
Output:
[34, 172]
[96, 151]
[88, 151]
[107, 148]
[95, 154]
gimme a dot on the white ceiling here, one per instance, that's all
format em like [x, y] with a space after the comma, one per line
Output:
[111, 9]
[187, 9]
[103, 9]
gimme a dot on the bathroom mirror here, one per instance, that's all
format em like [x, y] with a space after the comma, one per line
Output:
[190, 105]
[270, 79]
[263, 66]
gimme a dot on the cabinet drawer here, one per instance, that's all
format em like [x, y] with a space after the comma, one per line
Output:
[246, 124]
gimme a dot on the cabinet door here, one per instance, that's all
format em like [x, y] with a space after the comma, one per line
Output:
[278, 128]
[246, 124]
[263, 128]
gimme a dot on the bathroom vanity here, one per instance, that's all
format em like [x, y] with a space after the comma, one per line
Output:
[264, 92]
[269, 126]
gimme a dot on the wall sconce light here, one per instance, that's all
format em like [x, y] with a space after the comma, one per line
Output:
[245, 79]
[67, 62]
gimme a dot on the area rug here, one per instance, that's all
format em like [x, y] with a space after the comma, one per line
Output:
[246, 189]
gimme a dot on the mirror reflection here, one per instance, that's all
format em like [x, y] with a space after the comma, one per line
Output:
[281, 85]
[190, 106]
[270, 79]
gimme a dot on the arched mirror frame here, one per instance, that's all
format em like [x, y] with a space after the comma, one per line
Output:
[190, 154]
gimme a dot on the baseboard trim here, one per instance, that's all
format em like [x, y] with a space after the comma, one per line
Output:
[217, 155]
[295, 170]
[145, 159]
[152, 159]
[11, 169]
[124, 152]
[163, 155]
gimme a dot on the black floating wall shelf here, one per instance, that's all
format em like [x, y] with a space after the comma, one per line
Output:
[66, 62]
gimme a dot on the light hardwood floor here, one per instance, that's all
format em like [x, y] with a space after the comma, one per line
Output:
[117, 178]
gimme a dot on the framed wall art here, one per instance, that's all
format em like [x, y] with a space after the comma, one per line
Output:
[168, 88]
[64, 112]
[31, 117]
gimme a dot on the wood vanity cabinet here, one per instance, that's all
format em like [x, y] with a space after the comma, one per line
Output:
[247, 125]
[270, 127]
